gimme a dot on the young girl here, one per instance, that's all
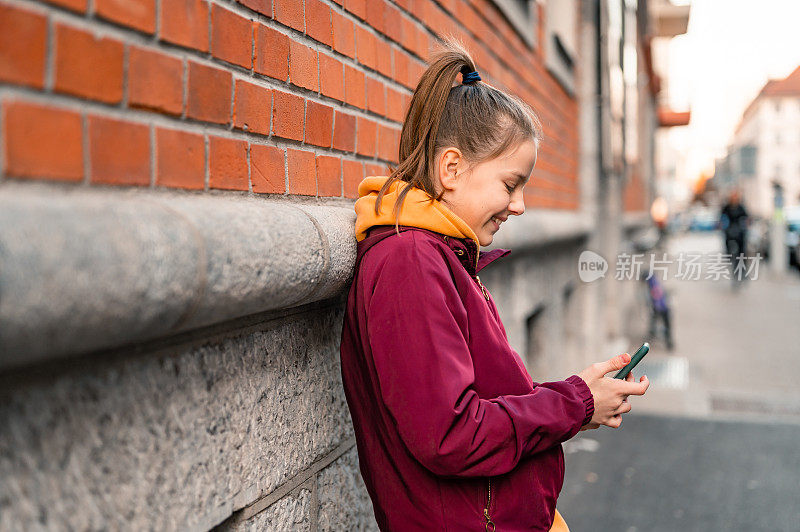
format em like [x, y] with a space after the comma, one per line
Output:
[452, 432]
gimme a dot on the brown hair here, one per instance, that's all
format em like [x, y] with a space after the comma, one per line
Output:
[481, 121]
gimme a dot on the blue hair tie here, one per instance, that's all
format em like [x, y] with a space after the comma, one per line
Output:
[471, 77]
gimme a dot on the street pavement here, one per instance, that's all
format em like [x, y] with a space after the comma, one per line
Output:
[715, 442]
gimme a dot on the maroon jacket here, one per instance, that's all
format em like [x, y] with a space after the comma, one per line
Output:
[450, 427]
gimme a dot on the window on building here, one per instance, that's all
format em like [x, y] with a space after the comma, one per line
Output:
[521, 15]
[561, 41]
[535, 345]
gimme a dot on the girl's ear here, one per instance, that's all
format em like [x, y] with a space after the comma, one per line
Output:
[447, 169]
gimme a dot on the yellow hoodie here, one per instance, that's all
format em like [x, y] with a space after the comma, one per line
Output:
[418, 210]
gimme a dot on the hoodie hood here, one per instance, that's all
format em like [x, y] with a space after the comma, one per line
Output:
[418, 210]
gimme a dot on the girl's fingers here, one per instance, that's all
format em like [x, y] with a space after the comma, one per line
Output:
[624, 408]
[629, 377]
[634, 388]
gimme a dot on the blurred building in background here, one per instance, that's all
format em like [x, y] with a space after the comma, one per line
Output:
[763, 153]
[176, 234]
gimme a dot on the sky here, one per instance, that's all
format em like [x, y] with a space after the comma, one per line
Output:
[731, 49]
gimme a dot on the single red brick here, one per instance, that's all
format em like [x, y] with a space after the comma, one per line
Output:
[329, 176]
[155, 81]
[303, 70]
[137, 14]
[74, 5]
[251, 111]
[402, 64]
[259, 6]
[354, 87]
[112, 165]
[272, 53]
[352, 175]
[42, 142]
[180, 159]
[231, 37]
[365, 48]
[394, 30]
[331, 77]
[227, 164]
[376, 13]
[23, 37]
[384, 57]
[185, 22]
[344, 132]
[318, 22]
[302, 172]
[357, 7]
[290, 13]
[409, 32]
[343, 35]
[288, 114]
[423, 43]
[267, 169]
[208, 94]
[376, 99]
[319, 124]
[87, 66]
[388, 143]
[367, 132]
[375, 169]
[394, 105]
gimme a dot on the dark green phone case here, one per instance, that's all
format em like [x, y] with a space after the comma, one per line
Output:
[635, 359]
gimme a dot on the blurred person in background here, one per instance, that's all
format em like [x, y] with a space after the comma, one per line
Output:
[734, 221]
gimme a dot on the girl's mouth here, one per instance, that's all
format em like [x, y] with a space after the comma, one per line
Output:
[496, 223]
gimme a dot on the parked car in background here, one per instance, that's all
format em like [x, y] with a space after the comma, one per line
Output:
[704, 219]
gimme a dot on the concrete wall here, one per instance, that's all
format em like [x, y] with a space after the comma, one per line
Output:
[250, 423]
[161, 369]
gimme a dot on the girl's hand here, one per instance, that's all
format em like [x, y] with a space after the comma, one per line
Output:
[611, 395]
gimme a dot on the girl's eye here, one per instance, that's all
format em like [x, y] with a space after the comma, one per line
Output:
[509, 188]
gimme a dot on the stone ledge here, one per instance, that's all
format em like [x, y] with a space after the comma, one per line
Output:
[85, 269]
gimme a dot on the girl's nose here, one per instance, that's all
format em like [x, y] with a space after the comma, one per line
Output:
[517, 205]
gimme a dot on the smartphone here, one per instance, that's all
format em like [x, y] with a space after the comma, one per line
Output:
[635, 359]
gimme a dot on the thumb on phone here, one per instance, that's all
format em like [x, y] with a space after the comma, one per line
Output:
[614, 364]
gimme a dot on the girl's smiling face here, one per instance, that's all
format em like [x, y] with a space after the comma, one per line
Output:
[484, 195]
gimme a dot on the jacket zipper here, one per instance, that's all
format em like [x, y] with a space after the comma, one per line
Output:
[489, 524]
[483, 288]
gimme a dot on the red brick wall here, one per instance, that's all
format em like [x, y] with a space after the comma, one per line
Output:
[269, 96]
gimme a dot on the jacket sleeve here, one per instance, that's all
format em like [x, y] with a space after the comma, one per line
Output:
[414, 320]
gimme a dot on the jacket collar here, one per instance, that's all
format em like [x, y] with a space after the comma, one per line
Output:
[464, 248]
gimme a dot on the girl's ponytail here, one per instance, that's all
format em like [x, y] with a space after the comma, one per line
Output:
[477, 118]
